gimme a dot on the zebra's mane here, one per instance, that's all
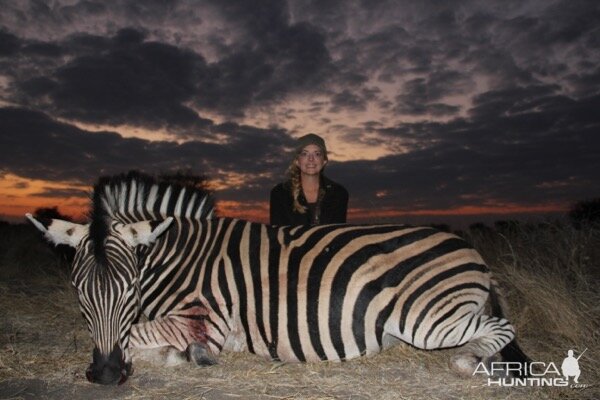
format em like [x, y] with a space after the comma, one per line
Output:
[134, 197]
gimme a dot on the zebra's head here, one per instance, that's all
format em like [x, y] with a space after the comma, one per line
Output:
[106, 275]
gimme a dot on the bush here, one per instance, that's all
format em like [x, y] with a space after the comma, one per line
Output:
[585, 213]
[25, 254]
[550, 276]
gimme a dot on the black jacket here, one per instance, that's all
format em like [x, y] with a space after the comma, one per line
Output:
[333, 206]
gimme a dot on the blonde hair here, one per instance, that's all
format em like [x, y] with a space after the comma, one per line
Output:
[293, 173]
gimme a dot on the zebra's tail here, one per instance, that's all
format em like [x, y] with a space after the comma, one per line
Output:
[512, 352]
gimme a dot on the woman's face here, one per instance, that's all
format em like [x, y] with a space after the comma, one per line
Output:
[311, 160]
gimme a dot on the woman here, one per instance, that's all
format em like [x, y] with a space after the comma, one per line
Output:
[308, 197]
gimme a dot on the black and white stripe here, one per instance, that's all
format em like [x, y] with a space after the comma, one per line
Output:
[321, 293]
[330, 292]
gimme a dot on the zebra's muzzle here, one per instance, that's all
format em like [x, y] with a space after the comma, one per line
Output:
[109, 370]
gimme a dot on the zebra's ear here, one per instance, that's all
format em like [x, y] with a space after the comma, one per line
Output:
[144, 232]
[59, 231]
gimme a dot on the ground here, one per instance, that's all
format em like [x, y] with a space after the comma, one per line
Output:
[550, 275]
[45, 350]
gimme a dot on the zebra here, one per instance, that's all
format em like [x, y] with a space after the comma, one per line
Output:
[207, 284]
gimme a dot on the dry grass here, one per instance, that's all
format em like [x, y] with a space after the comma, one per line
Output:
[550, 277]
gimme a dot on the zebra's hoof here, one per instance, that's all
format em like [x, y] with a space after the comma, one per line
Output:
[167, 356]
[200, 355]
[464, 364]
[173, 357]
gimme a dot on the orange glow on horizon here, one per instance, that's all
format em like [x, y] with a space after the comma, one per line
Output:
[259, 212]
[256, 212]
[503, 209]
[19, 196]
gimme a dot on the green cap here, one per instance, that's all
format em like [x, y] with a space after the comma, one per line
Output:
[310, 138]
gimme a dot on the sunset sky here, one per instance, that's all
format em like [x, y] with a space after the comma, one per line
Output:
[433, 111]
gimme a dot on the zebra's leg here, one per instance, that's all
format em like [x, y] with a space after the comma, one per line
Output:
[173, 341]
[484, 337]
[169, 356]
[185, 331]
[200, 354]
[165, 356]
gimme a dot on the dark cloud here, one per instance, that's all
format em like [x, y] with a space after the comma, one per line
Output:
[586, 84]
[421, 96]
[474, 102]
[263, 19]
[130, 79]
[347, 100]
[289, 59]
[61, 193]
[511, 100]
[21, 185]
[232, 84]
[36, 146]
[9, 43]
[545, 152]
[417, 99]
[126, 81]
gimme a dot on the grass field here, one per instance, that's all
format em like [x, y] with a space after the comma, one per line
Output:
[550, 275]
